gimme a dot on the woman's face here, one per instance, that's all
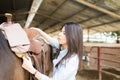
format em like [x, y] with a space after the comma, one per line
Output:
[62, 38]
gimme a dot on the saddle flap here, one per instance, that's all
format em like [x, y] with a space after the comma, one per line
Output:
[17, 38]
[16, 35]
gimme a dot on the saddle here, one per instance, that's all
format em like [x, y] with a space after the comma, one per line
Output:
[37, 49]
[16, 36]
[39, 52]
[18, 42]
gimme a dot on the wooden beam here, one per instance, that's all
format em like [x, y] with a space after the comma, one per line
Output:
[63, 21]
[41, 14]
[100, 15]
[49, 17]
[77, 13]
[33, 10]
[72, 16]
[83, 21]
[102, 24]
[90, 27]
[54, 11]
[99, 8]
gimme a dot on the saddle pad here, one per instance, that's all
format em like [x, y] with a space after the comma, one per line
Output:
[17, 37]
[20, 55]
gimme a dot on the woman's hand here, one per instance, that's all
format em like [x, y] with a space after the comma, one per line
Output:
[27, 65]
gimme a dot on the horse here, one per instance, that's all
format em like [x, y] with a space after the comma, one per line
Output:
[10, 64]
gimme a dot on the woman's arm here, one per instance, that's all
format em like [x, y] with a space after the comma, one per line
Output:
[52, 41]
[67, 71]
[43, 34]
[27, 65]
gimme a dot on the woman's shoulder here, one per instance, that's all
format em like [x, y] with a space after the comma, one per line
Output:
[54, 42]
[73, 58]
[74, 55]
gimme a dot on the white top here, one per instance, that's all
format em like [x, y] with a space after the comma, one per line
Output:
[67, 70]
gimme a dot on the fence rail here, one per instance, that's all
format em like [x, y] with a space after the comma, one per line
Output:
[100, 52]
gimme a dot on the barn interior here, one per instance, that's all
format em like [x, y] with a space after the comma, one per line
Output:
[95, 16]
[49, 15]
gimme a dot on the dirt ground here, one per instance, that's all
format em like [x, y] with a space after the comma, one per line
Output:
[93, 75]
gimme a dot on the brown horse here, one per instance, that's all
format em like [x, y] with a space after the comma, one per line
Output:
[11, 65]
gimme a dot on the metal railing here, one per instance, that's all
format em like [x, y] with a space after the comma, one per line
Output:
[100, 53]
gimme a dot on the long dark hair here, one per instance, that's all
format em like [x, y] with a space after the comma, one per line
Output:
[74, 36]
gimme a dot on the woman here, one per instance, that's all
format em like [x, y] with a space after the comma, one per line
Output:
[66, 64]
